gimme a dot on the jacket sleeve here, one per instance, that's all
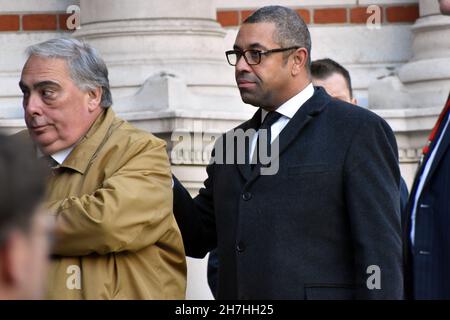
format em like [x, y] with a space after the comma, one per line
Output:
[130, 210]
[372, 180]
[195, 217]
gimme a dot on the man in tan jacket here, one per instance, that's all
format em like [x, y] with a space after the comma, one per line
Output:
[110, 191]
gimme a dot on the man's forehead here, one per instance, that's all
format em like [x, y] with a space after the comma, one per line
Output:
[335, 83]
[253, 34]
[40, 68]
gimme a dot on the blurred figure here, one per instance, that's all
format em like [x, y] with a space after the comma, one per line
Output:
[24, 229]
[427, 236]
[444, 6]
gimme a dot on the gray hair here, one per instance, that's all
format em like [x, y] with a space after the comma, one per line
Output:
[291, 30]
[87, 68]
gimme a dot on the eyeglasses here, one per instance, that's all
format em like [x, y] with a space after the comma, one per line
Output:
[251, 56]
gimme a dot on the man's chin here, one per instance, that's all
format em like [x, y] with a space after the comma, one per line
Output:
[45, 145]
[249, 99]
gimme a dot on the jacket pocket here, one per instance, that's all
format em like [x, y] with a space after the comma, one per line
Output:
[329, 292]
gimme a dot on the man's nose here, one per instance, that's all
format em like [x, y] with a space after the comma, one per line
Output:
[33, 104]
[242, 65]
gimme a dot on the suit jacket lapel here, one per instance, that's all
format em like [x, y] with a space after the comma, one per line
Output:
[419, 172]
[302, 117]
[442, 148]
[298, 122]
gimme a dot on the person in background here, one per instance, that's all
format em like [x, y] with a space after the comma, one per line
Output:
[24, 227]
[334, 78]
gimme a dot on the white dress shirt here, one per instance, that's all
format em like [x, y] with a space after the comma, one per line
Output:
[287, 111]
[422, 180]
[60, 156]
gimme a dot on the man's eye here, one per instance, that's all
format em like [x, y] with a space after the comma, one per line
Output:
[254, 54]
[46, 93]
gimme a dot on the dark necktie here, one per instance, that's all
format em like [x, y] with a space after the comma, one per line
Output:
[269, 120]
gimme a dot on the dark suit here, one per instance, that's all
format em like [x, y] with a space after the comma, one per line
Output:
[428, 261]
[311, 230]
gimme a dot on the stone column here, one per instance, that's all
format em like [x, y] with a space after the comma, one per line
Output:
[414, 95]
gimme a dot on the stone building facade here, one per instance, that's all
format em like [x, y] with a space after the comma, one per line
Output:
[169, 74]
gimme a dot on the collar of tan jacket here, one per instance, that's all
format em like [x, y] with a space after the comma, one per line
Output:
[85, 150]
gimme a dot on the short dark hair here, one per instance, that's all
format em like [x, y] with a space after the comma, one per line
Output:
[323, 68]
[291, 30]
[22, 185]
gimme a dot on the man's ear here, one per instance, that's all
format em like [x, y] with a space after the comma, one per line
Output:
[94, 99]
[13, 260]
[300, 60]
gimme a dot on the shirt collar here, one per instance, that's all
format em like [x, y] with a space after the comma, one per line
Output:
[290, 107]
[59, 156]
